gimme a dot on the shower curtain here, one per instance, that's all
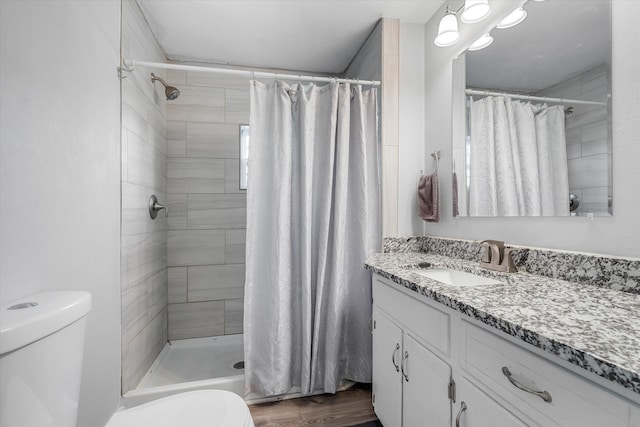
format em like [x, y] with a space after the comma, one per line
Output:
[518, 159]
[313, 216]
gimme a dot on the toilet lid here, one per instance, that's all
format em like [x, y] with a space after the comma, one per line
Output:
[191, 409]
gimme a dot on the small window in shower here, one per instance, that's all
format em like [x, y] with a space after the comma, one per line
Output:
[244, 156]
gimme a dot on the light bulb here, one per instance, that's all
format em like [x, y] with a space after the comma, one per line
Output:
[475, 11]
[513, 19]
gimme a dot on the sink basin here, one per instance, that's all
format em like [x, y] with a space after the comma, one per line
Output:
[455, 277]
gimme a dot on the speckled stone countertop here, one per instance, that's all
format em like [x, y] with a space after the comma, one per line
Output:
[595, 328]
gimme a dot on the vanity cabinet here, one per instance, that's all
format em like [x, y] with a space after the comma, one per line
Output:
[402, 368]
[537, 387]
[419, 349]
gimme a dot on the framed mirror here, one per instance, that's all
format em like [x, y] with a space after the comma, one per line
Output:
[532, 116]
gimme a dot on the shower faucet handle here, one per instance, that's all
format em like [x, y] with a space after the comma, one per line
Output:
[154, 207]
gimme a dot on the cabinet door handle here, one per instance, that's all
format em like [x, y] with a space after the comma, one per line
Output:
[393, 357]
[404, 374]
[544, 395]
[463, 407]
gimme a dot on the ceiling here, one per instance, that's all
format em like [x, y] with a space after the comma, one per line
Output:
[319, 36]
[558, 39]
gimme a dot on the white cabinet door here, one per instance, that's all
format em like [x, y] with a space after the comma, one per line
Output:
[474, 408]
[387, 385]
[425, 399]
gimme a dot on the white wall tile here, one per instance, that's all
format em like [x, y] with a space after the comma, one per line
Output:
[232, 177]
[157, 293]
[176, 77]
[199, 97]
[195, 247]
[588, 171]
[214, 140]
[217, 211]
[144, 163]
[237, 106]
[195, 175]
[176, 138]
[144, 246]
[592, 148]
[134, 311]
[595, 131]
[177, 211]
[215, 282]
[177, 278]
[574, 151]
[195, 78]
[135, 210]
[194, 320]
[195, 113]
[140, 352]
[233, 316]
[145, 253]
[594, 199]
[235, 246]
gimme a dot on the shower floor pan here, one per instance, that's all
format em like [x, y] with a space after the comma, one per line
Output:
[192, 364]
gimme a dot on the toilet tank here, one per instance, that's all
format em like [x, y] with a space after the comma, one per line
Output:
[41, 348]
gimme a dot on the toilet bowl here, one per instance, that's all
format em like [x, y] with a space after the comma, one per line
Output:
[191, 409]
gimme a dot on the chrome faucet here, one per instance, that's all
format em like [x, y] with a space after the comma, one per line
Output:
[497, 257]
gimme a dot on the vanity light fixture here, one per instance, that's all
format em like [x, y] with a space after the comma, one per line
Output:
[472, 11]
[448, 34]
[475, 11]
[484, 41]
[513, 19]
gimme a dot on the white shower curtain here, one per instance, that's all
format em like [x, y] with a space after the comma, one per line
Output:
[313, 216]
[518, 159]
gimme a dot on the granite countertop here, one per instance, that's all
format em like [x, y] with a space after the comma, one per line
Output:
[594, 328]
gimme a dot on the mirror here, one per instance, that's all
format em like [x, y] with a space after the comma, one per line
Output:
[532, 116]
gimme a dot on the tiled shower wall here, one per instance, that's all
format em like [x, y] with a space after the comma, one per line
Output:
[144, 259]
[207, 209]
[588, 138]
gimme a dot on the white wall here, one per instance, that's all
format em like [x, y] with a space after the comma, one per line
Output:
[144, 173]
[411, 127]
[617, 235]
[60, 171]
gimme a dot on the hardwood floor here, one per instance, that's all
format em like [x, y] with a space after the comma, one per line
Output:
[346, 408]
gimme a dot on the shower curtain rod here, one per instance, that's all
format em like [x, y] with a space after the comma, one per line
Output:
[532, 98]
[130, 64]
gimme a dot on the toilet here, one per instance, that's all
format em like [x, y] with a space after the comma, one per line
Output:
[41, 348]
[193, 408]
[40, 391]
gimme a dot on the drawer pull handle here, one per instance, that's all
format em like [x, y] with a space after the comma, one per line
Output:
[393, 357]
[404, 374]
[544, 395]
[463, 407]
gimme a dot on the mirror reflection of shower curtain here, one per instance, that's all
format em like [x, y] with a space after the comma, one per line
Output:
[518, 159]
[313, 217]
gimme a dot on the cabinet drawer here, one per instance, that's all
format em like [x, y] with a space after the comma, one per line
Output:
[475, 408]
[427, 323]
[574, 400]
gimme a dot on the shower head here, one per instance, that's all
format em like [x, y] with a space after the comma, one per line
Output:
[170, 92]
